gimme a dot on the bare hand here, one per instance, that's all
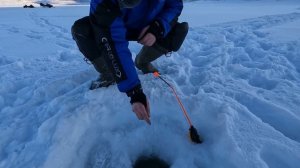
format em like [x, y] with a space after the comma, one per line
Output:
[141, 112]
[147, 39]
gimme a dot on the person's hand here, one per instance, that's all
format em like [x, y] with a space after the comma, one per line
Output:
[140, 104]
[141, 112]
[151, 33]
[146, 38]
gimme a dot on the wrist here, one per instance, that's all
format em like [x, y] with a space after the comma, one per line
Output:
[137, 95]
[136, 90]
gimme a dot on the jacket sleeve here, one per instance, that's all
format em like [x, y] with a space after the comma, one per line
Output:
[169, 14]
[110, 36]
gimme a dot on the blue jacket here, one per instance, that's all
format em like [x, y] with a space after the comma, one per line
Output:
[114, 27]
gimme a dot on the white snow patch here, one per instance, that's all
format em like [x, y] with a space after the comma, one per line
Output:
[285, 33]
[237, 73]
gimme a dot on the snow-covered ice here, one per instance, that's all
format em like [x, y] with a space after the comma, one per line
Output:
[238, 74]
[35, 3]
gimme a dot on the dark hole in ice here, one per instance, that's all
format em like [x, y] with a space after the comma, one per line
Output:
[150, 162]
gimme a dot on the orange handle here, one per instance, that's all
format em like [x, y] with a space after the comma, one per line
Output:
[156, 74]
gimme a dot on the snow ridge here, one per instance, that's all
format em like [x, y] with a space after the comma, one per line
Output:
[241, 89]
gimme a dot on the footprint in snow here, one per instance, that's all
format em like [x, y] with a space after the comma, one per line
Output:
[4, 60]
[275, 116]
[276, 156]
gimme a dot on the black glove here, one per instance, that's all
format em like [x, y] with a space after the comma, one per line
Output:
[138, 100]
[137, 95]
[156, 29]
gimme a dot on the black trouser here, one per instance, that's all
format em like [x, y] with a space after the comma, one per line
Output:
[175, 38]
[83, 34]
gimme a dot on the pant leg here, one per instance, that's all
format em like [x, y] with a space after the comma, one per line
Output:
[175, 38]
[172, 42]
[83, 35]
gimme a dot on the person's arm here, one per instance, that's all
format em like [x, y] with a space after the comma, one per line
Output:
[163, 23]
[110, 35]
[169, 15]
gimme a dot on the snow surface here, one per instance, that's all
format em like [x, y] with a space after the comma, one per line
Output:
[238, 74]
[18, 3]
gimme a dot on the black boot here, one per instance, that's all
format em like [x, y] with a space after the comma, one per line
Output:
[145, 57]
[105, 78]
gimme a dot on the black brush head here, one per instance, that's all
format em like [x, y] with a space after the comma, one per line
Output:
[195, 136]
